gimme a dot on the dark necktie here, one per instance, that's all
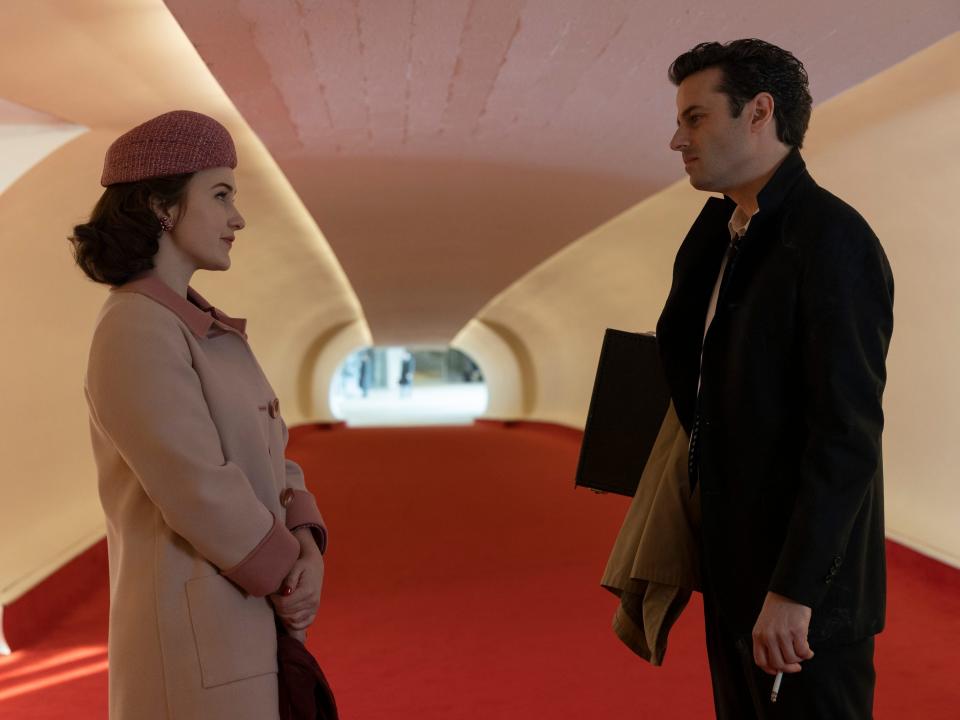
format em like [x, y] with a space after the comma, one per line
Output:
[693, 459]
[732, 250]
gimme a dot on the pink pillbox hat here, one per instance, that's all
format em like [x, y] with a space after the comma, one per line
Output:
[176, 142]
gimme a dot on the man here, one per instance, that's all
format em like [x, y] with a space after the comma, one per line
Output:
[774, 340]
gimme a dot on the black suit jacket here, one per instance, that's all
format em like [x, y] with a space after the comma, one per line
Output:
[790, 404]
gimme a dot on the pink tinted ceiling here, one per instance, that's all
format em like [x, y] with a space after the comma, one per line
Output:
[446, 147]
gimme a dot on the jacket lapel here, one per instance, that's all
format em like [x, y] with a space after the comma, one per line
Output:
[680, 329]
[762, 227]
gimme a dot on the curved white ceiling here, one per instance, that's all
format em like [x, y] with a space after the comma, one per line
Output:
[446, 147]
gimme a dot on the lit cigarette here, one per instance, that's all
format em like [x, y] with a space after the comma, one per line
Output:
[776, 687]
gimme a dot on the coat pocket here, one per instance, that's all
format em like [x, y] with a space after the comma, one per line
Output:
[235, 634]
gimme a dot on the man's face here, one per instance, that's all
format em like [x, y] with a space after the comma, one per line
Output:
[716, 147]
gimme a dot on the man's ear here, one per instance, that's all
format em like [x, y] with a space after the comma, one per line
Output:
[761, 108]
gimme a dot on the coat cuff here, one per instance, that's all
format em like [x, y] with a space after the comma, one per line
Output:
[263, 570]
[302, 511]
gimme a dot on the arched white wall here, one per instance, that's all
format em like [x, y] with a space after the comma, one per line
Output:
[617, 276]
[27, 136]
[501, 368]
[50, 509]
[890, 148]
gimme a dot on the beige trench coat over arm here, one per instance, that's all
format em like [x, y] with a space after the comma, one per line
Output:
[655, 562]
[200, 505]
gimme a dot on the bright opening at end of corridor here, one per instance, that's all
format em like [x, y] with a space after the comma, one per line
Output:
[408, 386]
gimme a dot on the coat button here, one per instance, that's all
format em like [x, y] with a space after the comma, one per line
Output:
[274, 407]
[286, 497]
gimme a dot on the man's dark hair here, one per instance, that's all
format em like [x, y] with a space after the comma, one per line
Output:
[123, 232]
[750, 67]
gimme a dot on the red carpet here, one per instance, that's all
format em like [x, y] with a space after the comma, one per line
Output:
[462, 582]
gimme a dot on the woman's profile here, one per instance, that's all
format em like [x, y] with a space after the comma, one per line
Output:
[212, 535]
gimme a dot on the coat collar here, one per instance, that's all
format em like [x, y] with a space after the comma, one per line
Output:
[771, 197]
[196, 313]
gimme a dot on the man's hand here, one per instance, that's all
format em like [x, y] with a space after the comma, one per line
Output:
[298, 599]
[780, 635]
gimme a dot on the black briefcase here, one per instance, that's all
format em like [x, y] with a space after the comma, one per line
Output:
[629, 401]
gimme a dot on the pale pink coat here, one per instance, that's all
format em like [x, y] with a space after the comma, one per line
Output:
[189, 445]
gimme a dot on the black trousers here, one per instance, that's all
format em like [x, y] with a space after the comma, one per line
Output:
[835, 684]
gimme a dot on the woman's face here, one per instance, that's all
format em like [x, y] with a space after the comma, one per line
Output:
[205, 223]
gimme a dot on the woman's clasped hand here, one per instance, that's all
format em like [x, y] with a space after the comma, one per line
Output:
[298, 598]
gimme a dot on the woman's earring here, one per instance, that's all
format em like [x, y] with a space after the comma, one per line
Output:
[165, 224]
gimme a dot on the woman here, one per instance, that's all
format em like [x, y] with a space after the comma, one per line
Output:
[211, 532]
